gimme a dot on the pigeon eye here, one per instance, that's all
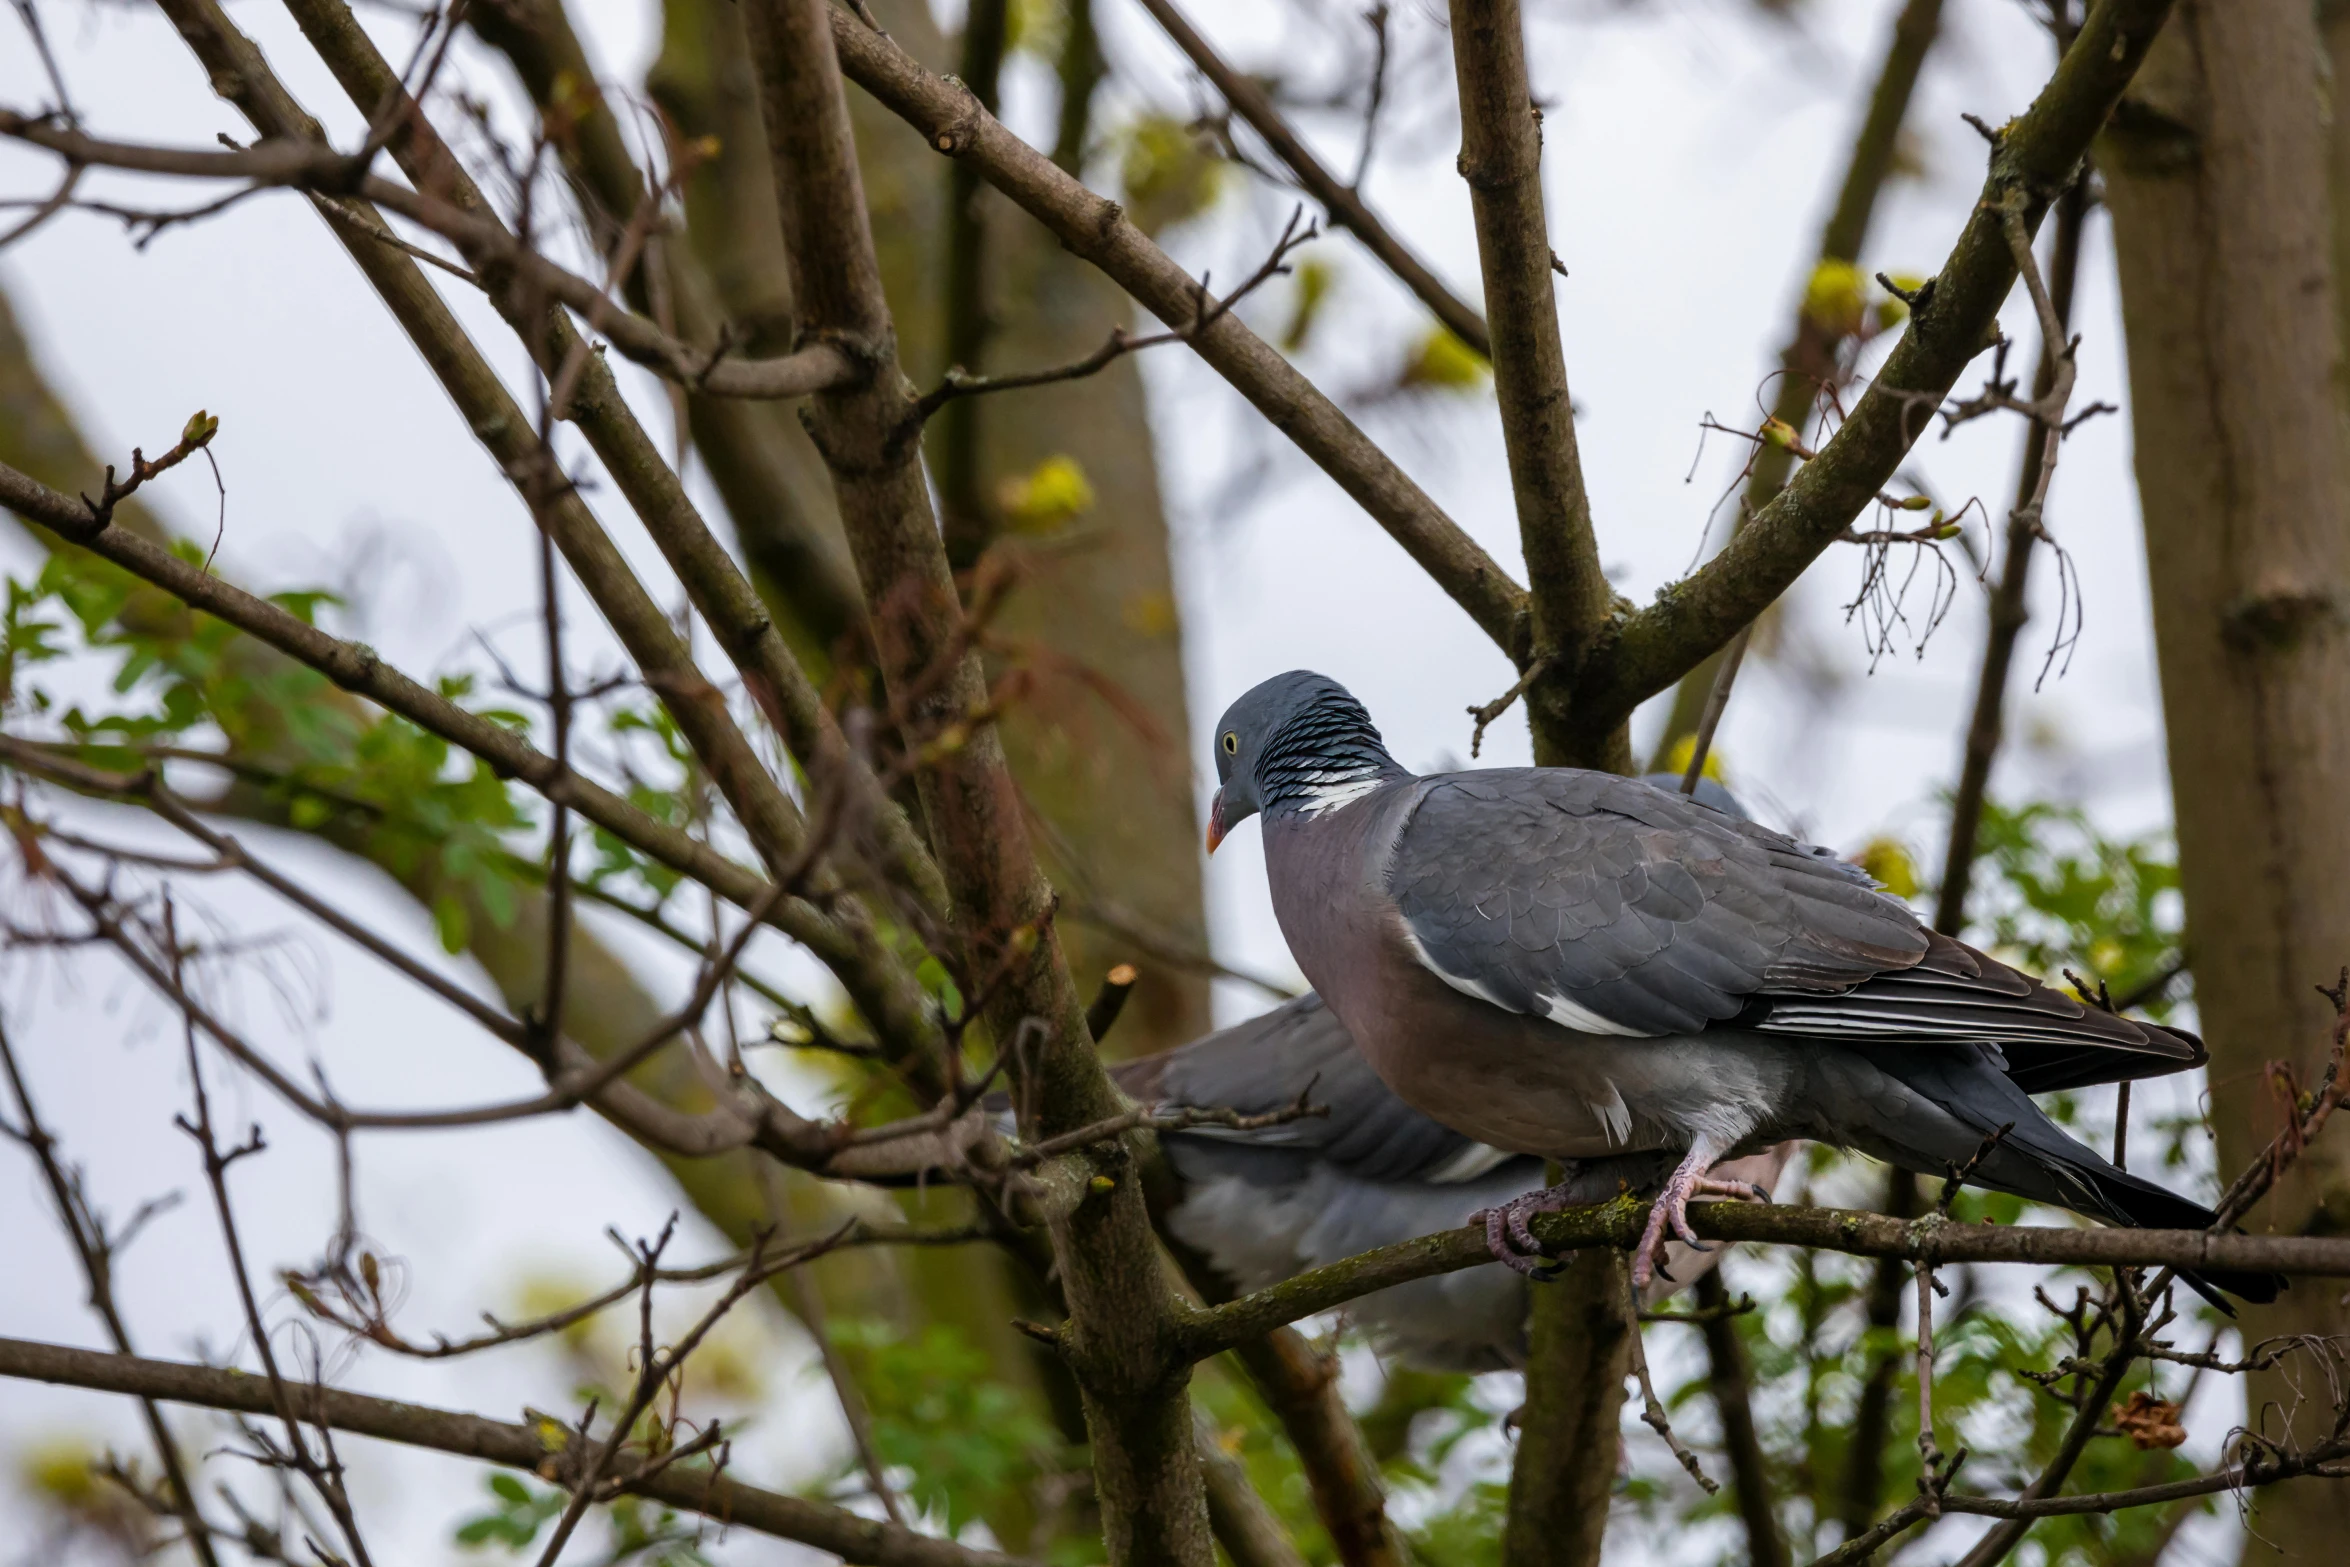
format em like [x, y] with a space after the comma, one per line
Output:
[1231, 743]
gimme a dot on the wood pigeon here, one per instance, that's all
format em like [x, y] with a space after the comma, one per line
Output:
[1576, 965]
[1264, 1205]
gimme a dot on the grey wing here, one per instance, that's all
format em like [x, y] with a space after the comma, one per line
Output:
[1612, 906]
[1268, 1063]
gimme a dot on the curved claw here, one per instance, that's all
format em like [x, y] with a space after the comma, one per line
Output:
[1649, 1254]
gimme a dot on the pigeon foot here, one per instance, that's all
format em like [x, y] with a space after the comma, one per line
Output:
[1511, 1241]
[1672, 1209]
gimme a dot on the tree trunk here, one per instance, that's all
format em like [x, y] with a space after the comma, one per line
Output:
[1569, 1441]
[2216, 171]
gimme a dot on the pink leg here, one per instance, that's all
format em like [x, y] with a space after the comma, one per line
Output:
[1672, 1207]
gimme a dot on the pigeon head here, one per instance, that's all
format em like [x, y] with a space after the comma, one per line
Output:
[1297, 742]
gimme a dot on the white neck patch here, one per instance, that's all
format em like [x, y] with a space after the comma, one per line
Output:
[1330, 794]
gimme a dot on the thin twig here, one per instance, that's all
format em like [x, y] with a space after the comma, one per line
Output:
[1929, 1454]
[1207, 310]
[323, 1471]
[1376, 19]
[1485, 715]
[1343, 203]
[2009, 611]
[198, 434]
[1652, 1412]
[1717, 699]
[1956, 1182]
[657, 1367]
[97, 1250]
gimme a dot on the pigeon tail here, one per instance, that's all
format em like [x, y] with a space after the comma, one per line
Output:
[2033, 1158]
[2137, 1203]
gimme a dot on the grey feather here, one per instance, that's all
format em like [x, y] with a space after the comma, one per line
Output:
[1579, 966]
[1299, 1051]
[1266, 1205]
[1646, 909]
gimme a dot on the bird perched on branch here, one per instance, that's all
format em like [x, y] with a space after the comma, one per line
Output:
[1265, 1204]
[1576, 965]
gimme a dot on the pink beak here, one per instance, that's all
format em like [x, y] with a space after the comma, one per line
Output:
[1216, 821]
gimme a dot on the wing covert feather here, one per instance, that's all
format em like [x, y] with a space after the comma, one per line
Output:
[1650, 911]
[1610, 903]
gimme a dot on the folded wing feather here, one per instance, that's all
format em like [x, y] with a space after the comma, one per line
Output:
[1612, 906]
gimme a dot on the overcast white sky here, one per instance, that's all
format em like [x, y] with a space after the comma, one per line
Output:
[1691, 152]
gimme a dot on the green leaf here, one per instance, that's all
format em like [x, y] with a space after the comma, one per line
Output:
[450, 922]
[940, 1416]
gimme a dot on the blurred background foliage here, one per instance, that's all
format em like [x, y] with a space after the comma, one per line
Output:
[975, 1428]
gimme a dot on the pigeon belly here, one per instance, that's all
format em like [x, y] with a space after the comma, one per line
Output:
[1514, 1081]
[1528, 1085]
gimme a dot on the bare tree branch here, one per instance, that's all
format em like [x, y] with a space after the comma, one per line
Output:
[323, 1469]
[717, 586]
[1122, 1316]
[883, 989]
[2008, 602]
[330, 174]
[866, 1541]
[1828, 1229]
[1501, 159]
[2032, 164]
[955, 124]
[1344, 204]
[356, 668]
[959, 384]
[97, 1250]
[1810, 365]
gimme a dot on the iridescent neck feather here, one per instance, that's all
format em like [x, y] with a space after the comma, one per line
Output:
[1323, 757]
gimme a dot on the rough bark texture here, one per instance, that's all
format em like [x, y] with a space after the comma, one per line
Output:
[1101, 742]
[1568, 1432]
[1108, 801]
[1120, 1337]
[1121, 836]
[2216, 171]
[1501, 159]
